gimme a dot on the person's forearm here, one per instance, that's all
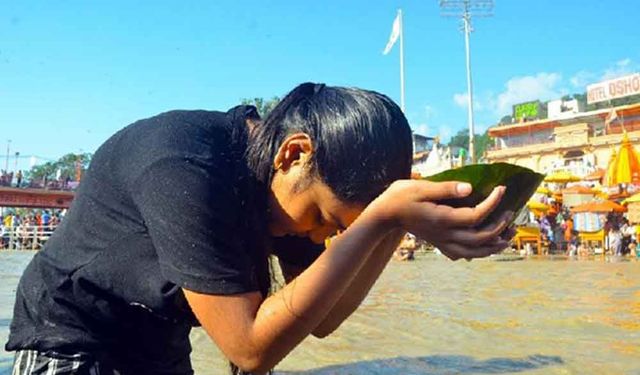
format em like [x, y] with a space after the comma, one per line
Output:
[361, 284]
[287, 317]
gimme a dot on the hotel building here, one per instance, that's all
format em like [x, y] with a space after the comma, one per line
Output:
[570, 138]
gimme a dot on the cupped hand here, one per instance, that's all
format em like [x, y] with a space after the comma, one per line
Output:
[411, 205]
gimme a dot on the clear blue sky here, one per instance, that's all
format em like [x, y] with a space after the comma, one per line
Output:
[74, 72]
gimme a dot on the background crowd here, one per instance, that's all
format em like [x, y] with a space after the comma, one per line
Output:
[28, 229]
[18, 180]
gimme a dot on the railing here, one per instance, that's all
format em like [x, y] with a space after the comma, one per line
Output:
[612, 135]
[50, 185]
[552, 146]
[25, 237]
[521, 143]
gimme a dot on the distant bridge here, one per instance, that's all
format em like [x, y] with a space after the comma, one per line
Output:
[35, 198]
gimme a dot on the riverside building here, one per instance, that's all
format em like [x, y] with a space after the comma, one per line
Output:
[567, 137]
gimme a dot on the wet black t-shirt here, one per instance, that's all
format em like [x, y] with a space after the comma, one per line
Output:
[163, 206]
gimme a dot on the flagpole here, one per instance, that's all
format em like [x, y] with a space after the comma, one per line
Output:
[401, 61]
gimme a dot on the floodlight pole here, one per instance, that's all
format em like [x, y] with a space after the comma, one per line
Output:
[467, 30]
[6, 165]
[464, 9]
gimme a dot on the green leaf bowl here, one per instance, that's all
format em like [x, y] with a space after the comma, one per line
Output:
[520, 185]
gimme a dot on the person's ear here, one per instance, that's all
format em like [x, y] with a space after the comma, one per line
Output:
[295, 150]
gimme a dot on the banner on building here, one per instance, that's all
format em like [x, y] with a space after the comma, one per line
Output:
[614, 88]
[527, 111]
[14, 197]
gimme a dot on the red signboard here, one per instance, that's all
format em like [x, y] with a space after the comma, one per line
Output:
[34, 198]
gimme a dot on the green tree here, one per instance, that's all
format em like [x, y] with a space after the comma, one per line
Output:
[460, 139]
[506, 120]
[66, 165]
[264, 106]
[481, 142]
[39, 172]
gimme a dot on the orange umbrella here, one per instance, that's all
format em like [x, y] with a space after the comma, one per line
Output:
[599, 206]
[595, 175]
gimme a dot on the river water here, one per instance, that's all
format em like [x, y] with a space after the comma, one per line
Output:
[502, 315]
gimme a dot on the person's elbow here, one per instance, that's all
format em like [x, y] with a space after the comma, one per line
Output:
[253, 367]
[333, 321]
[325, 330]
[253, 358]
[321, 334]
[254, 363]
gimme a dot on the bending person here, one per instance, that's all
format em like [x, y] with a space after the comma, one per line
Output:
[176, 218]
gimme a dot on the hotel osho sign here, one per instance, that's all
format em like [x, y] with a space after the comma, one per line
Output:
[614, 88]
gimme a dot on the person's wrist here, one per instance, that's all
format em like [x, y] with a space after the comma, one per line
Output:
[381, 216]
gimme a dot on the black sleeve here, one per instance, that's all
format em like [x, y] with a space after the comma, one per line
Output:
[191, 213]
[296, 251]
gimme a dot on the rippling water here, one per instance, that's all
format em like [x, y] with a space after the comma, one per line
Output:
[495, 316]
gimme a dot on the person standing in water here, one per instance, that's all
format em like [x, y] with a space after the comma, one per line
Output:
[174, 223]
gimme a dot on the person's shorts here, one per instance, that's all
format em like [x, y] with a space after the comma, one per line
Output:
[31, 362]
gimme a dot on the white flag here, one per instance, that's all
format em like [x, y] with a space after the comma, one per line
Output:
[611, 116]
[395, 33]
[609, 119]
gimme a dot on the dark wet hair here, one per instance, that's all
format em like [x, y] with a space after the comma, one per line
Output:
[362, 140]
[362, 143]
